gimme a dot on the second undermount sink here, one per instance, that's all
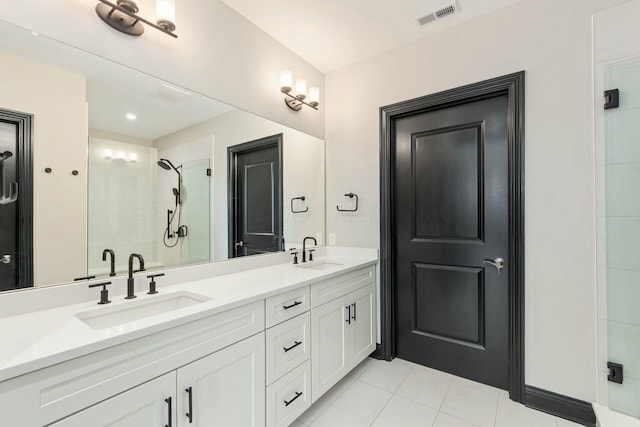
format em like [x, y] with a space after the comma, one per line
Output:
[107, 317]
[319, 265]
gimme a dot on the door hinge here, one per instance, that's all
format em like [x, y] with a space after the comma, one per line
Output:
[208, 171]
[616, 374]
[611, 99]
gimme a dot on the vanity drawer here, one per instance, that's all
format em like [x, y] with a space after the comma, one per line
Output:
[287, 305]
[289, 397]
[49, 394]
[327, 290]
[288, 345]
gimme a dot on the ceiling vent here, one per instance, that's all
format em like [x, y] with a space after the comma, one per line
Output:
[437, 14]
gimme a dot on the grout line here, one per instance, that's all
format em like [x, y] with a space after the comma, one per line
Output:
[385, 405]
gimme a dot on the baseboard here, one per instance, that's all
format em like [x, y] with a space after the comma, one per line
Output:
[377, 354]
[561, 406]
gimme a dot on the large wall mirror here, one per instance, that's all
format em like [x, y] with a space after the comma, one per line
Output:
[97, 159]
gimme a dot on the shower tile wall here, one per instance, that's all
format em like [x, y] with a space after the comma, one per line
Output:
[122, 204]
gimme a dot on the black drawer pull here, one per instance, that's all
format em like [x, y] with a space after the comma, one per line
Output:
[168, 400]
[298, 394]
[287, 307]
[190, 413]
[297, 343]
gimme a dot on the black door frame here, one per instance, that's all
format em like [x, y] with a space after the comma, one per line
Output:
[23, 123]
[511, 85]
[232, 154]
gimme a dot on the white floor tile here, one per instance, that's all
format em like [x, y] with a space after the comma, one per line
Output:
[357, 407]
[363, 366]
[406, 413]
[311, 414]
[425, 386]
[445, 420]
[386, 375]
[471, 401]
[511, 414]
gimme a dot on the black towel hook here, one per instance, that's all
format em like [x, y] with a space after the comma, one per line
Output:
[351, 196]
[303, 198]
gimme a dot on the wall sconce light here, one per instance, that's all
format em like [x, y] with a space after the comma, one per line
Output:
[123, 16]
[295, 99]
[120, 156]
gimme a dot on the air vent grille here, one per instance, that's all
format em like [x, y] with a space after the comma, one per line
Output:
[437, 14]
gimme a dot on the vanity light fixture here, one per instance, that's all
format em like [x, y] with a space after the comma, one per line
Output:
[120, 156]
[295, 97]
[123, 16]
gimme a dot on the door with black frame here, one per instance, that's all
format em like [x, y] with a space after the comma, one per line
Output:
[451, 235]
[255, 197]
[16, 214]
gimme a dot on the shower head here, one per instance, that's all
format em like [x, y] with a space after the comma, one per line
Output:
[5, 155]
[163, 165]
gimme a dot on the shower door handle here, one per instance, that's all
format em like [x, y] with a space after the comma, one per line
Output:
[6, 259]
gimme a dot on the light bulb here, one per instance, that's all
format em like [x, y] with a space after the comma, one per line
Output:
[133, 157]
[108, 153]
[121, 155]
[166, 14]
[314, 96]
[301, 89]
[286, 81]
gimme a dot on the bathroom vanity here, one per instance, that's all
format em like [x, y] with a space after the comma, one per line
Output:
[250, 348]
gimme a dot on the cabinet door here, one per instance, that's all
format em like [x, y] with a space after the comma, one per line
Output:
[142, 406]
[329, 353]
[227, 388]
[363, 324]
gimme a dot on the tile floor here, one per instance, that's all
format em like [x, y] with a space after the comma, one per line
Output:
[403, 394]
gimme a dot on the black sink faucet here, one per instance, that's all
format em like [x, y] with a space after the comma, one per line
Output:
[304, 247]
[130, 281]
[112, 264]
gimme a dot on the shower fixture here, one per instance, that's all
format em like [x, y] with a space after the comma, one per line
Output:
[10, 195]
[169, 233]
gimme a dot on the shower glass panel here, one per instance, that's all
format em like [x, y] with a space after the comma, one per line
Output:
[622, 216]
[196, 215]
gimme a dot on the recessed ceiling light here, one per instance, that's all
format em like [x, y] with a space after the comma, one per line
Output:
[131, 116]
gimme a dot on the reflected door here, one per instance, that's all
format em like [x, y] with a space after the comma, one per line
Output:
[16, 214]
[255, 197]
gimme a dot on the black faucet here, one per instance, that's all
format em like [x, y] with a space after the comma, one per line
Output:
[304, 242]
[113, 260]
[130, 281]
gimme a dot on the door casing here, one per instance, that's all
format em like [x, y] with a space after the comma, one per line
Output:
[513, 86]
[24, 129]
[232, 154]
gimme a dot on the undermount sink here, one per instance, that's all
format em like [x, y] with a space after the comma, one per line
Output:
[107, 317]
[319, 265]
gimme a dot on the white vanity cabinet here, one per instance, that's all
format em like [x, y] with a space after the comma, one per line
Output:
[343, 330]
[151, 404]
[225, 388]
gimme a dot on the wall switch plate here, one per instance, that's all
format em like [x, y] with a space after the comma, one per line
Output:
[332, 239]
[319, 238]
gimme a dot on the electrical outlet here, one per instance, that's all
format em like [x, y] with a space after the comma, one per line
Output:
[319, 238]
[332, 239]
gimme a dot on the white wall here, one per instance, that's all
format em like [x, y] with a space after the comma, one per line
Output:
[551, 40]
[60, 214]
[218, 53]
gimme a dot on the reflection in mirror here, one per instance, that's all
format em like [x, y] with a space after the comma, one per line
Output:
[124, 163]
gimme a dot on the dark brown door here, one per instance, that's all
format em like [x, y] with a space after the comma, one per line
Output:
[256, 197]
[451, 201]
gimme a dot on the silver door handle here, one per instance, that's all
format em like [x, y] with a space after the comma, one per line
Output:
[239, 244]
[6, 259]
[498, 263]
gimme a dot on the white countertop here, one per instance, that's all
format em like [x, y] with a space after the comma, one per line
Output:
[39, 339]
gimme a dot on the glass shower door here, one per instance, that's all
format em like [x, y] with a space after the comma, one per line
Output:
[622, 218]
[196, 247]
